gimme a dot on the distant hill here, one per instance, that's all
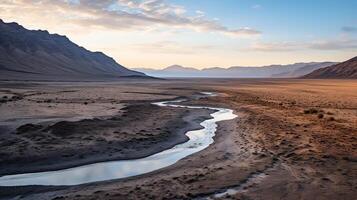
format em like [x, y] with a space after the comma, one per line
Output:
[308, 68]
[271, 71]
[171, 71]
[344, 70]
[38, 55]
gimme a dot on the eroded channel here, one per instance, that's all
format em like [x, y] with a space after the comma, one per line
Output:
[102, 171]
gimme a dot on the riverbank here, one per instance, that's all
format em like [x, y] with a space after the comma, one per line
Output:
[138, 129]
[277, 148]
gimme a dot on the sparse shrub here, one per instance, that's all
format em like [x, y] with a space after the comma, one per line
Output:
[329, 113]
[4, 97]
[85, 103]
[331, 119]
[311, 111]
[320, 116]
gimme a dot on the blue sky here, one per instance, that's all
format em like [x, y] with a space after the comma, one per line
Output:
[198, 33]
[281, 19]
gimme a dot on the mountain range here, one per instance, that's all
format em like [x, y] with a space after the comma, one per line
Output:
[38, 55]
[271, 71]
[344, 70]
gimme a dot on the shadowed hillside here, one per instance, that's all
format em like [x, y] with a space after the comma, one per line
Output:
[344, 70]
[38, 55]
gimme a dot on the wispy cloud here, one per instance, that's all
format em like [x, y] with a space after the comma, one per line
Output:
[276, 46]
[257, 6]
[172, 47]
[332, 44]
[120, 14]
[349, 29]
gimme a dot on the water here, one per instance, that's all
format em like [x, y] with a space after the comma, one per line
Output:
[198, 140]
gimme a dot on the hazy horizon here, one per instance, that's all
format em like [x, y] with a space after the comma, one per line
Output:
[199, 34]
[227, 67]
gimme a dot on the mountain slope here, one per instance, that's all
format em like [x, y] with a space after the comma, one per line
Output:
[292, 70]
[344, 70]
[310, 67]
[38, 55]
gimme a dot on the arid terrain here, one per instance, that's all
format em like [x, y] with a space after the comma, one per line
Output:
[292, 139]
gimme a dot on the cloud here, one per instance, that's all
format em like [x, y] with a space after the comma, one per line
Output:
[117, 15]
[332, 44]
[172, 47]
[200, 13]
[257, 6]
[349, 29]
[276, 46]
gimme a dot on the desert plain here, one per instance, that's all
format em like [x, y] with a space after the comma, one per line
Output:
[292, 139]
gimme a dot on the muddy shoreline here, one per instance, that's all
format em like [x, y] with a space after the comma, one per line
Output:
[104, 148]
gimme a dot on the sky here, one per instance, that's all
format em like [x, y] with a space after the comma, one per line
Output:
[198, 33]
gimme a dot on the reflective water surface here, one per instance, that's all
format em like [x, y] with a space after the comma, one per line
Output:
[198, 140]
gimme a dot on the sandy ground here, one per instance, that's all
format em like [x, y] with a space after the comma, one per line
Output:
[293, 139]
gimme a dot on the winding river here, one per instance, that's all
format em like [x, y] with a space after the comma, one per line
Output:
[198, 140]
